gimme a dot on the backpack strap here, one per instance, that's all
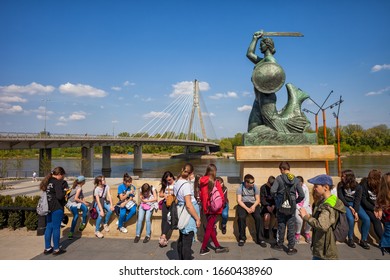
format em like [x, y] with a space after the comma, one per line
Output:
[179, 190]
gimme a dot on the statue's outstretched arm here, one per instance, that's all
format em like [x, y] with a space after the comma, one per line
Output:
[252, 46]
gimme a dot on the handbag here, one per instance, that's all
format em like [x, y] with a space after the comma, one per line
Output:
[93, 213]
[170, 198]
[160, 203]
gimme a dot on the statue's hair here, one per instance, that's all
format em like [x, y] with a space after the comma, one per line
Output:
[269, 44]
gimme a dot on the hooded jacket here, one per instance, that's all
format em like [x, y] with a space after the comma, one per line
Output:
[284, 181]
[324, 217]
[56, 194]
[205, 196]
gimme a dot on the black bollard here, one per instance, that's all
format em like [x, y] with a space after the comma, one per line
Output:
[41, 225]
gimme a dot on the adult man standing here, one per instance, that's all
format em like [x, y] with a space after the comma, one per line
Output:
[248, 200]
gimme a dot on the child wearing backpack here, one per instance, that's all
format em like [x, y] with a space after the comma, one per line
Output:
[76, 202]
[148, 198]
[210, 192]
[285, 190]
[54, 185]
[324, 218]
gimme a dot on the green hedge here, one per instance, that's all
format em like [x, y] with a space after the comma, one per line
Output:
[18, 212]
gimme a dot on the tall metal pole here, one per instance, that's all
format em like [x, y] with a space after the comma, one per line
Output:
[324, 123]
[338, 135]
[45, 114]
[325, 138]
[338, 147]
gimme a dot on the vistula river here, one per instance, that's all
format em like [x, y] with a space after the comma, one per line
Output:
[154, 168]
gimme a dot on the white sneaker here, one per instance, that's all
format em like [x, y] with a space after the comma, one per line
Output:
[123, 229]
[117, 222]
[98, 234]
[106, 228]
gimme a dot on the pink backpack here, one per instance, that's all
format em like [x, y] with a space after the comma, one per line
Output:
[216, 200]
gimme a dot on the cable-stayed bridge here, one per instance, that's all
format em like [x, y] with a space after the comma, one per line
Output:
[182, 123]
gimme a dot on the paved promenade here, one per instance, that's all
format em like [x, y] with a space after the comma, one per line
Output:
[23, 245]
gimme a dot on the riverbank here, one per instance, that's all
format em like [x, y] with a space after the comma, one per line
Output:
[167, 156]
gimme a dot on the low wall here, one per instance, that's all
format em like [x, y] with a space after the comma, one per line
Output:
[232, 225]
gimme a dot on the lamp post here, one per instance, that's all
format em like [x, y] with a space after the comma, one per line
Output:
[315, 119]
[338, 103]
[113, 127]
[45, 114]
[320, 108]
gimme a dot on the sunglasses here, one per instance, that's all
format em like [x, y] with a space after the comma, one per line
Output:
[250, 182]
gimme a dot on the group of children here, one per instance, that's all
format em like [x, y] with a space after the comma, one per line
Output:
[368, 201]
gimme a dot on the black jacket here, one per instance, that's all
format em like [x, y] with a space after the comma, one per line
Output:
[368, 197]
[56, 194]
[348, 195]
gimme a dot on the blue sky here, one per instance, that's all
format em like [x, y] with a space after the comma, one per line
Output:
[108, 66]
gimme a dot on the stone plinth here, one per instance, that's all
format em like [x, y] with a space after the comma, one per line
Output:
[263, 161]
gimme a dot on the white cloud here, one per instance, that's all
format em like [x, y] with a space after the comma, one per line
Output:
[211, 114]
[377, 67]
[75, 116]
[80, 90]
[244, 108]
[160, 115]
[187, 88]
[247, 94]
[381, 91]
[31, 89]
[10, 99]
[147, 99]
[61, 124]
[116, 88]
[127, 83]
[8, 109]
[230, 94]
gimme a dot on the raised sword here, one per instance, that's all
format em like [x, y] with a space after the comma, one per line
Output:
[282, 34]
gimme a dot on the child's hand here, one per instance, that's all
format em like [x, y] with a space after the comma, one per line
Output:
[302, 212]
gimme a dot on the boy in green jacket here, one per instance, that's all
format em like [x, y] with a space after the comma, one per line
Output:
[324, 216]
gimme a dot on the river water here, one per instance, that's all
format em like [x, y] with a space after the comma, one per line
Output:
[154, 168]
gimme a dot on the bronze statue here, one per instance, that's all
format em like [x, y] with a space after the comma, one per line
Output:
[266, 125]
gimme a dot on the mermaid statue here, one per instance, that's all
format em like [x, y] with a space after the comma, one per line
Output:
[267, 125]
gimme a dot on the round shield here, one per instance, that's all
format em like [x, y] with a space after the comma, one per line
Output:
[268, 77]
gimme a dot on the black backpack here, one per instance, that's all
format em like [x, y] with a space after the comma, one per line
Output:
[287, 206]
[341, 227]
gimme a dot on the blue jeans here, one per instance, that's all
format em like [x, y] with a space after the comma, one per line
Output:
[75, 212]
[141, 214]
[365, 220]
[225, 214]
[53, 229]
[123, 218]
[106, 217]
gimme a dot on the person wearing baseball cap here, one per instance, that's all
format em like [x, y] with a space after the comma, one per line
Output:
[77, 202]
[324, 216]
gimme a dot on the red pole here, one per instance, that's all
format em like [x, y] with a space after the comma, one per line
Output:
[325, 140]
[338, 148]
[316, 120]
